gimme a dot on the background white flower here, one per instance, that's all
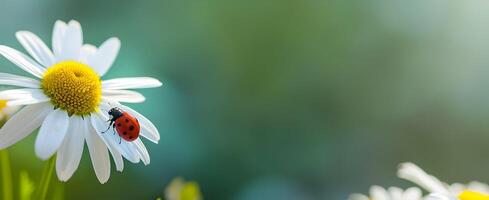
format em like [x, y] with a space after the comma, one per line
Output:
[437, 196]
[392, 193]
[68, 101]
[430, 183]
[466, 195]
[438, 190]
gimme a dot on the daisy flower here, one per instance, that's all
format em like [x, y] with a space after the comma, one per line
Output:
[67, 99]
[440, 190]
[392, 193]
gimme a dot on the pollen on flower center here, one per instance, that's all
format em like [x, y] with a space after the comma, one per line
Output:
[72, 86]
[471, 195]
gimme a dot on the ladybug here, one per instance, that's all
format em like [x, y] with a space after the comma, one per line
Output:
[124, 123]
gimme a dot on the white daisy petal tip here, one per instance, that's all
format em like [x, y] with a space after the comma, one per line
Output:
[143, 152]
[408, 169]
[19, 34]
[71, 150]
[74, 24]
[98, 153]
[411, 172]
[115, 40]
[105, 56]
[59, 23]
[158, 83]
[73, 21]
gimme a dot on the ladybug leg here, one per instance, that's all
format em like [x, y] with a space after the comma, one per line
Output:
[106, 130]
[110, 124]
[120, 139]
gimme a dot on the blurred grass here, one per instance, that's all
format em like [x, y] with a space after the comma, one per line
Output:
[7, 190]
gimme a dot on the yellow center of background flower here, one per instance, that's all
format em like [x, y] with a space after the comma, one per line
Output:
[470, 195]
[3, 104]
[3, 115]
[72, 86]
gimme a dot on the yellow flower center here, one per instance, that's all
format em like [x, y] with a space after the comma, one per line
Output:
[3, 116]
[471, 195]
[190, 191]
[3, 104]
[72, 86]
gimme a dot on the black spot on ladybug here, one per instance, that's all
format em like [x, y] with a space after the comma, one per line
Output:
[125, 133]
[131, 127]
[130, 137]
[127, 120]
[119, 124]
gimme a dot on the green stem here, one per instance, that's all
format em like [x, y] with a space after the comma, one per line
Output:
[46, 179]
[6, 176]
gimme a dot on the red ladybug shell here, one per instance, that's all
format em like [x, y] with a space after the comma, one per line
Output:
[127, 127]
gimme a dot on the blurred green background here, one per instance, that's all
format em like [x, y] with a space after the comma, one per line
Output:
[285, 99]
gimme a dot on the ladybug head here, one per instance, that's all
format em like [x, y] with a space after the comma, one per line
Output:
[115, 112]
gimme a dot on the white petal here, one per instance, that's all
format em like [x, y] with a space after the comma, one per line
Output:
[59, 32]
[413, 173]
[71, 42]
[143, 152]
[86, 52]
[131, 83]
[97, 124]
[71, 150]
[98, 153]
[51, 134]
[148, 130]
[378, 193]
[117, 156]
[99, 121]
[105, 56]
[36, 47]
[457, 188]
[478, 187]
[21, 81]
[23, 96]
[22, 61]
[131, 150]
[25, 102]
[23, 123]
[123, 96]
[395, 193]
[412, 193]
[438, 196]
